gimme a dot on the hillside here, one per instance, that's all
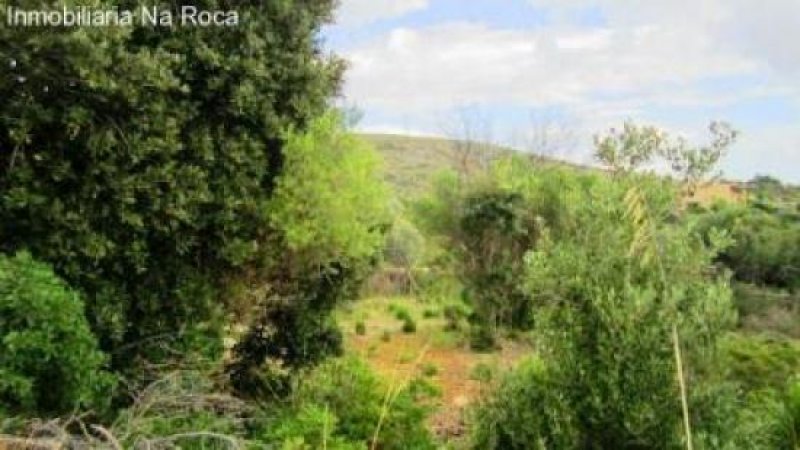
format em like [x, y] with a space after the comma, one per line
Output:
[411, 164]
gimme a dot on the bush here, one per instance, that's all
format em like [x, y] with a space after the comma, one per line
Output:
[609, 285]
[329, 214]
[767, 310]
[455, 315]
[527, 411]
[490, 224]
[761, 362]
[430, 313]
[144, 178]
[430, 370]
[49, 360]
[361, 328]
[482, 372]
[767, 244]
[347, 396]
[401, 313]
[765, 419]
[482, 339]
[309, 428]
[409, 326]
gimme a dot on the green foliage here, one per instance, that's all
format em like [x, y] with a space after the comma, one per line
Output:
[760, 420]
[455, 315]
[330, 214]
[430, 313]
[140, 162]
[49, 360]
[345, 398]
[792, 402]
[767, 310]
[528, 411]
[496, 228]
[628, 149]
[409, 325]
[309, 428]
[483, 373]
[430, 370]
[611, 274]
[400, 312]
[767, 244]
[330, 203]
[295, 329]
[761, 362]
[488, 224]
[405, 245]
[361, 328]
[608, 308]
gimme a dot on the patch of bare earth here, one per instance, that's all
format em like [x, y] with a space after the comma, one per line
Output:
[405, 356]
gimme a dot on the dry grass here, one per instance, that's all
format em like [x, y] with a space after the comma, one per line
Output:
[720, 191]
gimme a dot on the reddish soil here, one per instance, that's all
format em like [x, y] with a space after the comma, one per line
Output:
[405, 356]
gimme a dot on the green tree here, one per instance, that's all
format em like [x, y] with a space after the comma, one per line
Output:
[140, 161]
[487, 226]
[608, 291]
[330, 215]
[49, 360]
[636, 146]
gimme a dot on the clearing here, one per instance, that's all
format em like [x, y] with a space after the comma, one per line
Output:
[432, 351]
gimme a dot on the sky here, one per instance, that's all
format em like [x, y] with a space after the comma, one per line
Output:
[519, 72]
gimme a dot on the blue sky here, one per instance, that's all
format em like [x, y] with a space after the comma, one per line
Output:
[530, 71]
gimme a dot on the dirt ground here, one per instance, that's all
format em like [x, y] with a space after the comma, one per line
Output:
[443, 356]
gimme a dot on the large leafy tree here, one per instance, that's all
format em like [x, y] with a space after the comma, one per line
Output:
[140, 161]
[329, 215]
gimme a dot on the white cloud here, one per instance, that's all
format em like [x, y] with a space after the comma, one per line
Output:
[462, 63]
[353, 13]
[767, 151]
[643, 56]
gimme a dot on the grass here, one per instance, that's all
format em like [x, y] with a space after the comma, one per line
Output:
[415, 161]
[448, 363]
[764, 310]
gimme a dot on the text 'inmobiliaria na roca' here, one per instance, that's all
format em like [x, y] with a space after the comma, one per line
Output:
[185, 16]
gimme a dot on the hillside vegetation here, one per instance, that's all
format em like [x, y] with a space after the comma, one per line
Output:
[414, 162]
[198, 252]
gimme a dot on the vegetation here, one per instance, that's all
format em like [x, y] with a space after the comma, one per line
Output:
[329, 215]
[49, 360]
[144, 178]
[608, 307]
[185, 222]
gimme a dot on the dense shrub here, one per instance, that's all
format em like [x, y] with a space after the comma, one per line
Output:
[49, 360]
[760, 362]
[140, 161]
[405, 245]
[496, 230]
[609, 285]
[767, 244]
[767, 310]
[489, 224]
[329, 214]
[527, 411]
[345, 398]
[409, 326]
